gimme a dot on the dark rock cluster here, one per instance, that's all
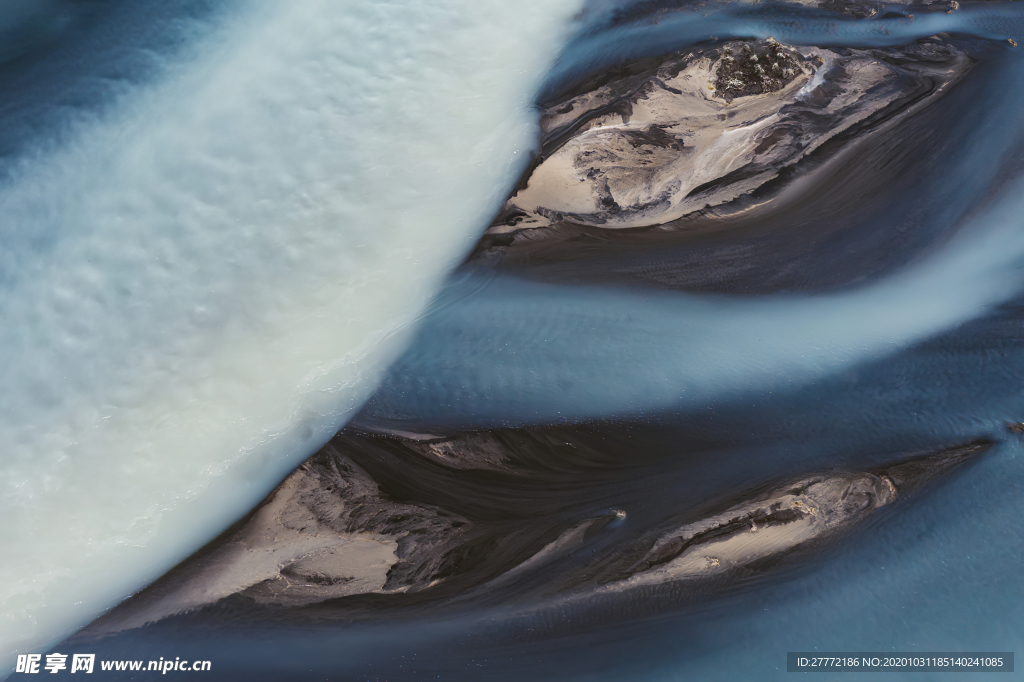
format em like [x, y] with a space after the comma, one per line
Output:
[754, 69]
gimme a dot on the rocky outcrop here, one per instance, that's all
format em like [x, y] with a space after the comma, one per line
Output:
[701, 129]
[796, 515]
[326, 532]
[330, 531]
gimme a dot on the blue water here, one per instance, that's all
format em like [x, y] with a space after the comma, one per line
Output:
[700, 393]
[218, 221]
